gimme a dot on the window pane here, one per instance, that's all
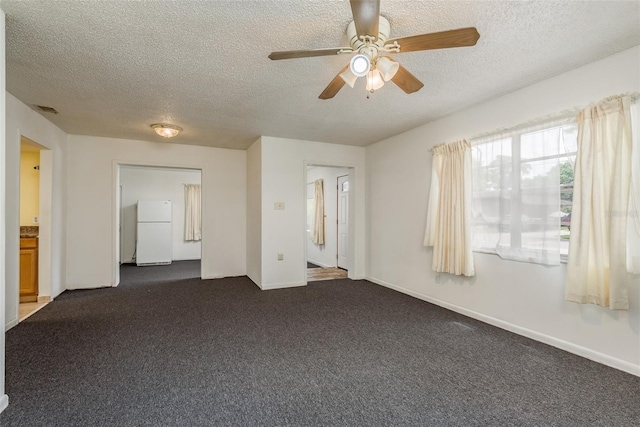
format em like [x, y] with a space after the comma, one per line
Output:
[540, 174]
[566, 201]
[492, 185]
[540, 218]
[492, 165]
[541, 143]
[549, 142]
[569, 139]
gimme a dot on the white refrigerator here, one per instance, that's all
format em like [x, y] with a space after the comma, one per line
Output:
[153, 242]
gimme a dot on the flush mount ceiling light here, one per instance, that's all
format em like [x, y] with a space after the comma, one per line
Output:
[166, 130]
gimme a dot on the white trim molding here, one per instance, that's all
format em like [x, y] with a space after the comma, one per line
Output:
[269, 287]
[4, 402]
[212, 276]
[587, 353]
[11, 323]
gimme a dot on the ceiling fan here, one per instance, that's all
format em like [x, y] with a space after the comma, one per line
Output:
[369, 39]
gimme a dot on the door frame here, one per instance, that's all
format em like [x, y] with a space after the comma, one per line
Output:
[45, 199]
[116, 211]
[338, 219]
[353, 212]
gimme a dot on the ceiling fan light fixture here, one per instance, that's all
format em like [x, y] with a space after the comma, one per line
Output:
[166, 130]
[349, 78]
[387, 67]
[360, 65]
[374, 80]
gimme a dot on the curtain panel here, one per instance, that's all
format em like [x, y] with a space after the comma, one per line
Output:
[596, 270]
[317, 235]
[633, 224]
[192, 214]
[448, 227]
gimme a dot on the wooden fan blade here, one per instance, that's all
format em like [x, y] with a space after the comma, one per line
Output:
[445, 39]
[366, 15]
[407, 81]
[292, 54]
[334, 87]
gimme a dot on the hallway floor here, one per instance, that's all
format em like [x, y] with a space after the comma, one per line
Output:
[26, 309]
[315, 274]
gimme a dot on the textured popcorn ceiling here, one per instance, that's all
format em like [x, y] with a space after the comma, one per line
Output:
[111, 68]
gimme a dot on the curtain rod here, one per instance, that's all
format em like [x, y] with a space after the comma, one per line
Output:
[559, 116]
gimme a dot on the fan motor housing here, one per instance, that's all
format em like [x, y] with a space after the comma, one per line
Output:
[364, 46]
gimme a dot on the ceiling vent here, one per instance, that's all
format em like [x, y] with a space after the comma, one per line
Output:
[47, 109]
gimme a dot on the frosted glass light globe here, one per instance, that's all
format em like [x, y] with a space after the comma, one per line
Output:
[360, 65]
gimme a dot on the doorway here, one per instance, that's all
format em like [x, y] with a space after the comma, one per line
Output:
[159, 198]
[327, 208]
[34, 288]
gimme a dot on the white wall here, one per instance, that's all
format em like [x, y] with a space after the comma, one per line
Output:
[4, 400]
[325, 255]
[150, 183]
[23, 121]
[283, 166]
[525, 298]
[254, 212]
[92, 208]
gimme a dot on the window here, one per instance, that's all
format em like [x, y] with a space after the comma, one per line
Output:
[522, 193]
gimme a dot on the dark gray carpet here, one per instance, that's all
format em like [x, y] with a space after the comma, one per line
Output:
[344, 353]
[312, 265]
[177, 270]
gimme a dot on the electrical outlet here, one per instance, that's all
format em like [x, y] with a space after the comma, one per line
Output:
[437, 277]
[280, 257]
[35, 219]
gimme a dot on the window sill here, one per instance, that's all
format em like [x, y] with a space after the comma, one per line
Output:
[563, 258]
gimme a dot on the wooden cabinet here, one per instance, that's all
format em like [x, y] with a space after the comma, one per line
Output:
[28, 269]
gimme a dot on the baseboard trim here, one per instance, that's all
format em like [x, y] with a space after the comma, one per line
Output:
[212, 276]
[534, 335]
[4, 402]
[10, 324]
[272, 286]
[321, 264]
[110, 285]
[44, 299]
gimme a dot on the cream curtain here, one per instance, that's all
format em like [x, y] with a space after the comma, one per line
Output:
[596, 270]
[317, 236]
[448, 217]
[192, 215]
[633, 224]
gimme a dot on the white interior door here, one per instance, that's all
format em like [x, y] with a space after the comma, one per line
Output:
[343, 221]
